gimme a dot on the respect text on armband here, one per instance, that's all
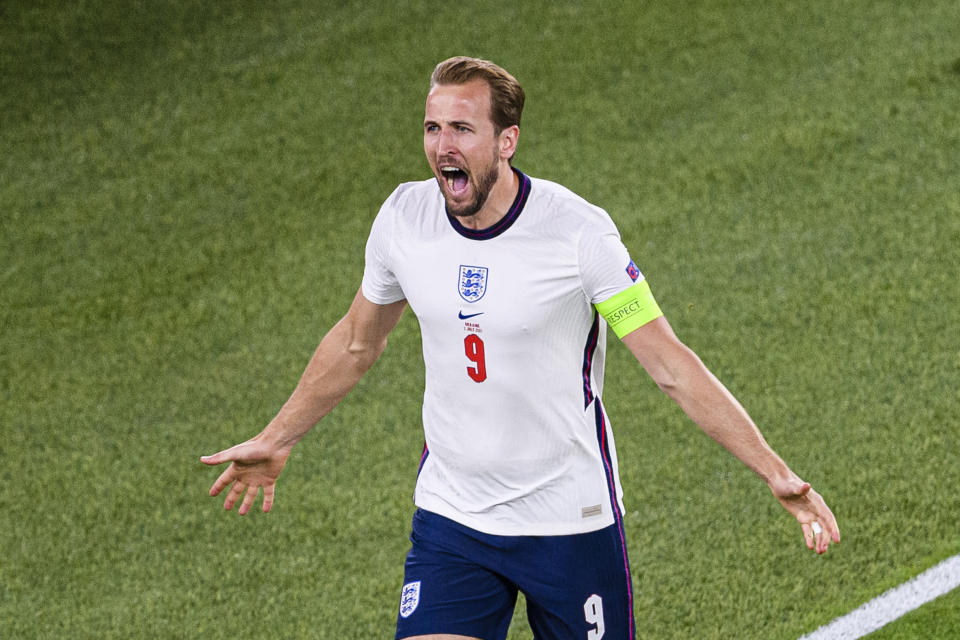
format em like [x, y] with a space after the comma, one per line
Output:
[625, 312]
[630, 309]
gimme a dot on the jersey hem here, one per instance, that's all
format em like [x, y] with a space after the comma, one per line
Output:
[499, 529]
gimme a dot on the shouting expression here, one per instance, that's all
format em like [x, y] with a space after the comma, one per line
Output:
[464, 151]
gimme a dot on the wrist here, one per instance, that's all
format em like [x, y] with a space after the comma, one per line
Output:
[786, 483]
[279, 438]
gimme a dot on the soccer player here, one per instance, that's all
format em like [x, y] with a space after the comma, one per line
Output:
[514, 281]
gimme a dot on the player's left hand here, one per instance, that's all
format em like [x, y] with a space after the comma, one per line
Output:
[808, 507]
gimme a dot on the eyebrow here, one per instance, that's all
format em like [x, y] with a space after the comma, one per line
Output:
[452, 123]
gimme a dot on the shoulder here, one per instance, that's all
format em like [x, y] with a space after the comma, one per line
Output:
[564, 208]
[407, 206]
[412, 196]
[413, 210]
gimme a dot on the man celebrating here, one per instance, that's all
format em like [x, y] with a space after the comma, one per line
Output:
[513, 280]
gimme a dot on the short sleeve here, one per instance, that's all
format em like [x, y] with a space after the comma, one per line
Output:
[614, 284]
[605, 265]
[380, 284]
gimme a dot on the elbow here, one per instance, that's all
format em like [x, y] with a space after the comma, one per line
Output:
[364, 354]
[676, 375]
[667, 383]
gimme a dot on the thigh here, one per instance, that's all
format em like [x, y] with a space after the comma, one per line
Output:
[579, 587]
[446, 590]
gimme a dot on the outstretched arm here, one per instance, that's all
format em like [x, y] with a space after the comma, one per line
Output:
[346, 353]
[680, 373]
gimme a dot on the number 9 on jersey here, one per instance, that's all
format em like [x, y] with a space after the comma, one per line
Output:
[473, 348]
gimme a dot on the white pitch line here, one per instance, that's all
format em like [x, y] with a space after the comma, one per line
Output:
[882, 610]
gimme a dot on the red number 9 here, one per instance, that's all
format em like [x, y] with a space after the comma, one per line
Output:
[473, 347]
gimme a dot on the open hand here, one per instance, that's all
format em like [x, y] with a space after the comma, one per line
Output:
[253, 464]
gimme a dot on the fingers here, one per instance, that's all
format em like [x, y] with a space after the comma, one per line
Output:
[222, 482]
[816, 537]
[215, 459]
[248, 499]
[809, 538]
[826, 522]
[819, 533]
[233, 495]
[251, 468]
[834, 529]
[240, 490]
[245, 451]
[831, 531]
[822, 538]
[817, 522]
[823, 543]
[268, 492]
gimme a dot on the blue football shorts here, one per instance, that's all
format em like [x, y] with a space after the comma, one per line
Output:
[463, 582]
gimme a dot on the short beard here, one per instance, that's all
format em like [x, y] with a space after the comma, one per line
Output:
[482, 189]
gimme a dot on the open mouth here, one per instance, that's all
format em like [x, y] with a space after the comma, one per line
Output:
[456, 179]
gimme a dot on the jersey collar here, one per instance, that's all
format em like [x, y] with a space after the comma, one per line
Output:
[503, 223]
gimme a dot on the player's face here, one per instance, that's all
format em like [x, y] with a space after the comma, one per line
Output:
[461, 144]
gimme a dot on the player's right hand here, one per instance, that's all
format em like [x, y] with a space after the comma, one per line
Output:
[253, 464]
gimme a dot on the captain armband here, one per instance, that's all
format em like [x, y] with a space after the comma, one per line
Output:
[630, 309]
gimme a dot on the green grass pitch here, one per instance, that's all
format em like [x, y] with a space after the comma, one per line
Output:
[185, 193]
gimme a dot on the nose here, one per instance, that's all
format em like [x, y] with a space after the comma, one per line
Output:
[446, 145]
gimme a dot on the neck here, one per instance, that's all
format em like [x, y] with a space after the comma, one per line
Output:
[498, 203]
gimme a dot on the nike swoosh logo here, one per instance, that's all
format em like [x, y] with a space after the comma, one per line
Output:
[469, 315]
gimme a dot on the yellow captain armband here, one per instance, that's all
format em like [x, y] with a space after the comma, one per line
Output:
[630, 309]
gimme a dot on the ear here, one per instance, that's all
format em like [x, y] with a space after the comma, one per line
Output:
[507, 140]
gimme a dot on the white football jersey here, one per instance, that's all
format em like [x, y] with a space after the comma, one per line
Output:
[517, 440]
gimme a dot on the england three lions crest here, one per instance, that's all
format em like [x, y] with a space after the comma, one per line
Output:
[473, 282]
[409, 599]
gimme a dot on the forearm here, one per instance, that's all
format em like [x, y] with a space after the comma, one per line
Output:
[344, 355]
[718, 413]
[336, 366]
[680, 373]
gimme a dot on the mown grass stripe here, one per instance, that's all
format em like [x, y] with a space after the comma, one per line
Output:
[884, 609]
